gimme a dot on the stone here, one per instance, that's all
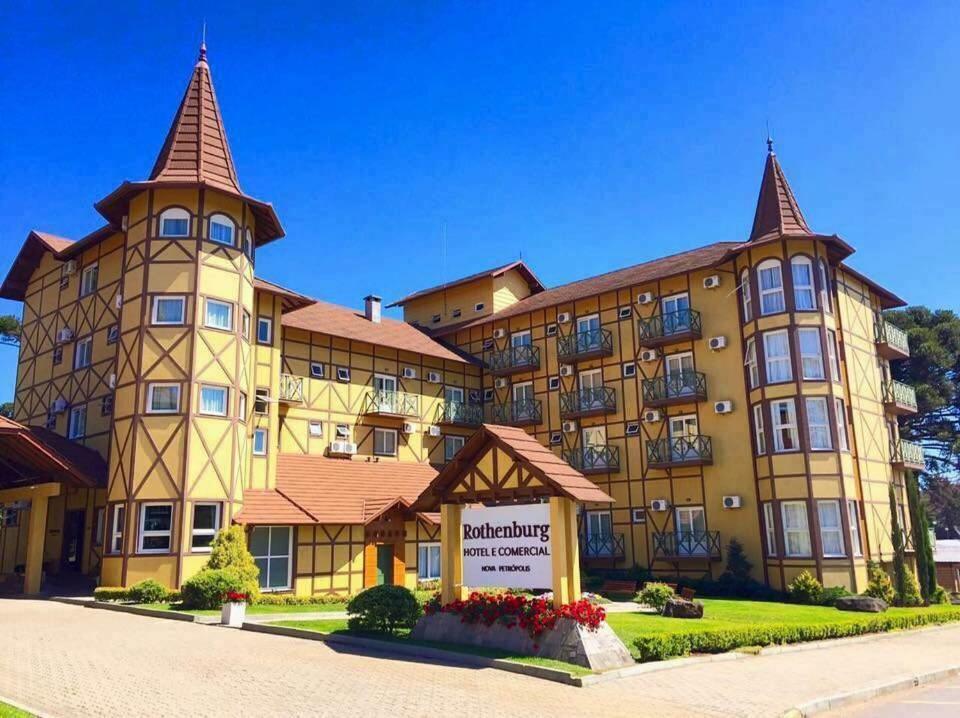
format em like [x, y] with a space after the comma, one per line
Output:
[600, 650]
[682, 608]
[864, 604]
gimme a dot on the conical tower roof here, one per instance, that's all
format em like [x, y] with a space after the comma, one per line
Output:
[777, 210]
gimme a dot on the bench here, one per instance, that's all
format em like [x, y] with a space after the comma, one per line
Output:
[612, 586]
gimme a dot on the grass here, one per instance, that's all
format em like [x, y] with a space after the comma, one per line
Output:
[255, 609]
[8, 711]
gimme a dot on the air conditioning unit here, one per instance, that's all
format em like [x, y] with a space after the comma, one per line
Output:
[499, 333]
[112, 381]
[723, 407]
[648, 355]
[118, 302]
[345, 448]
[434, 431]
[64, 335]
[569, 427]
[718, 343]
[645, 298]
[433, 377]
[731, 502]
[500, 382]
[70, 267]
[408, 427]
[711, 282]
[651, 415]
[659, 505]
[566, 370]
[563, 317]
[59, 405]
[409, 372]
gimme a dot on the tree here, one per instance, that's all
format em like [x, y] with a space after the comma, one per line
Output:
[899, 550]
[6, 409]
[943, 498]
[9, 329]
[923, 549]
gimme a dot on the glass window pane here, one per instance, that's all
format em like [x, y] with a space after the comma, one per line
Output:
[157, 518]
[169, 310]
[262, 565]
[260, 541]
[278, 572]
[156, 543]
[218, 315]
[280, 541]
[213, 400]
[205, 516]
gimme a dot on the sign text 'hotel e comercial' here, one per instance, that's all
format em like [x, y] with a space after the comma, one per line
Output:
[507, 546]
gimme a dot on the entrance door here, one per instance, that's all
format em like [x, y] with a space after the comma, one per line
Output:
[453, 401]
[591, 382]
[588, 333]
[386, 392]
[523, 401]
[676, 313]
[72, 541]
[384, 564]
[691, 528]
[683, 432]
[599, 533]
[680, 379]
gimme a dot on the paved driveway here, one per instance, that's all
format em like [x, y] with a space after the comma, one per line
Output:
[72, 661]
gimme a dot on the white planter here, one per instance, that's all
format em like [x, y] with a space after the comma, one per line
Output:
[233, 614]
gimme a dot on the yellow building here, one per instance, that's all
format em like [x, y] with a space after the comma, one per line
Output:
[740, 390]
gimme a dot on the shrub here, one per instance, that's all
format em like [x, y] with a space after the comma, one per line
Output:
[383, 609]
[879, 584]
[738, 566]
[110, 593]
[805, 589]
[208, 587]
[829, 596]
[148, 591]
[911, 591]
[655, 595]
[229, 550]
[289, 599]
[939, 596]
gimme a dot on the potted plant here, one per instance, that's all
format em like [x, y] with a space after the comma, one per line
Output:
[234, 609]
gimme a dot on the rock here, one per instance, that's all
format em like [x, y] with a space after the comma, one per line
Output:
[865, 604]
[682, 608]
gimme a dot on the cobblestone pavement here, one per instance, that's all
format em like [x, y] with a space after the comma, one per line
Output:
[73, 661]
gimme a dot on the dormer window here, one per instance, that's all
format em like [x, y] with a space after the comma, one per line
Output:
[221, 229]
[175, 222]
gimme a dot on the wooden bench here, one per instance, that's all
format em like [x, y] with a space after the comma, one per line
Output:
[628, 588]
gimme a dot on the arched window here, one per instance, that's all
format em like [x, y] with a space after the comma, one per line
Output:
[175, 222]
[824, 286]
[745, 294]
[221, 229]
[804, 298]
[770, 278]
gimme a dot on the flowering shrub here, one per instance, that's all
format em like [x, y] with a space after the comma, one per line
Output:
[533, 615]
[237, 596]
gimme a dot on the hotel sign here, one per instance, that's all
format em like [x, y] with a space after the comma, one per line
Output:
[507, 546]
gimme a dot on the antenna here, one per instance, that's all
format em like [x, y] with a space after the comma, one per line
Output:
[443, 263]
[203, 38]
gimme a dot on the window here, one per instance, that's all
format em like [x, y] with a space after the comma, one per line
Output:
[163, 398]
[638, 516]
[316, 428]
[174, 222]
[316, 370]
[455, 314]
[551, 330]
[759, 437]
[841, 419]
[769, 529]
[241, 406]
[213, 400]
[83, 354]
[168, 310]
[633, 428]
[77, 428]
[343, 373]
[98, 530]
[435, 319]
[488, 395]
[261, 398]
[818, 423]
[796, 531]
[811, 353]
[88, 280]
[624, 312]
[478, 307]
[259, 442]
[116, 528]
[343, 432]
[771, 287]
[451, 445]
[156, 525]
[803, 294]
[9, 517]
[218, 315]
[746, 295]
[106, 405]
[853, 516]
[751, 363]
[264, 330]
[248, 243]
[629, 369]
[385, 442]
[206, 523]
[221, 229]
[825, 301]
[271, 547]
[245, 324]
[776, 351]
[428, 562]
[57, 355]
[831, 528]
[113, 333]
[553, 383]
[784, 415]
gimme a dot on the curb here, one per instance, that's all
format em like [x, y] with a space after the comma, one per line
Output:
[27, 709]
[840, 700]
[836, 642]
[137, 610]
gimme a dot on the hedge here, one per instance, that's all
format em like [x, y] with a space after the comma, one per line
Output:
[658, 647]
[287, 599]
[117, 593]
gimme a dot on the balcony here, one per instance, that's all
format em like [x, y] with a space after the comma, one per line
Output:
[459, 413]
[891, 340]
[392, 403]
[585, 345]
[588, 402]
[899, 398]
[518, 413]
[681, 451]
[702, 545]
[680, 326]
[683, 388]
[611, 546]
[594, 459]
[907, 455]
[291, 389]
[525, 357]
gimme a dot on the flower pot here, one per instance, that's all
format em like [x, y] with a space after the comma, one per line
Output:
[233, 613]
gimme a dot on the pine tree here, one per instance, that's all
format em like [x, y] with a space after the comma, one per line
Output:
[899, 552]
[926, 568]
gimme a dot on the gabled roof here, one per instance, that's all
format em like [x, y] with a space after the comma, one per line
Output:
[289, 299]
[777, 212]
[523, 269]
[32, 454]
[947, 551]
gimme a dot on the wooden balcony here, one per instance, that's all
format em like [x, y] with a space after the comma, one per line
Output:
[600, 547]
[669, 328]
[682, 451]
[581, 346]
[588, 402]
[899, 398]
[892, 341]
[291, 389]
[392, 403]
[513, 360]
[907, 455]
[459, 413]
[684, 388]
[687, 546]
[518, 413]
[594, 459]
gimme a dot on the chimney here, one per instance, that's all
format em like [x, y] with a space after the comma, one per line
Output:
[371, 308]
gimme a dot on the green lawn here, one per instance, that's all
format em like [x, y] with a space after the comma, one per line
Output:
[8, 711]
[256, 609]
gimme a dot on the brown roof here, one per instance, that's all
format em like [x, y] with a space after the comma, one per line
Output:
[537, 458]
[270, 507]
[338, 321]
[888, 300]
[777, 211]
[27, 452]
[525, 271]
[28, 258]
[290, 299]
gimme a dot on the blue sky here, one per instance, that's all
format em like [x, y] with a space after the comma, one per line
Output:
[585, 136]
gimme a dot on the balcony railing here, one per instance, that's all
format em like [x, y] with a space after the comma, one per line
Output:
[459, 413]
[668, 328]
[518, 413]
[682, 545]
[525, 357]
[899, 398]
[609, 546]
[891, 340]
[594, 459]
[588, 402]
[681, 451]
[680, 388]
[585, 345]
[291, 389]
[392, 403]
[907, 455]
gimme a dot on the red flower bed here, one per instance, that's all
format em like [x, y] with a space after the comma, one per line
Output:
[533, 615]
[236, 597]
